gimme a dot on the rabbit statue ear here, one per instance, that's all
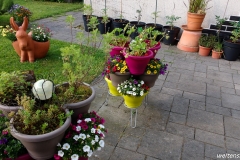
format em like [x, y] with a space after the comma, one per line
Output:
[25, 23]
[13, 24]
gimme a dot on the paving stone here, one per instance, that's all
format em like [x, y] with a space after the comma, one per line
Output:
[237, 86]
[231, 101]
[193, 150]
[212, 151]
[180, 130]
[228, 70]
[200, 74]
[171, 145]
[219, 110]
[216, 75]
[238, 92]
[170, 85]
[197, 105]
[123, 154]
[193, 87]
[227, 90]
[177, 118]
[201, 79]
[232, 127]
[129, 142]
[201, 68]
[210, 138]
[162, 101]
[236, 78]
[171, 91]
[214, 101]
[194, 96]
[233, 144]
[209, 63]
[173, 77]
[180, 105]
[205, 120]
[182, 71]
[151, 158]
[184, 77]
[235, 113]
[213, 68]
[104, 153]
[213, 91]
[233, 155]
[235, 66]
[222, 84]
[183, 65]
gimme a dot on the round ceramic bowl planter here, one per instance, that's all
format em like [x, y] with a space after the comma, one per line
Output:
[112, 90]
[231, 50]
[204, 51]
[41, 146]
[7, 109]
[137, 64]
[118, 78]
[133, 101]
[82, 106]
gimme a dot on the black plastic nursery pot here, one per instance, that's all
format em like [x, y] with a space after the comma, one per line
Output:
[119, 23]
[85, 22]
[157, 27]
[172, 35]
[138, 26]
[231, 50]
[102, 27]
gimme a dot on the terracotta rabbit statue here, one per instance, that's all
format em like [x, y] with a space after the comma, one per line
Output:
[25, 46]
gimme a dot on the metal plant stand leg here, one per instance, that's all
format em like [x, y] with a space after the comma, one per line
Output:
[133, 112]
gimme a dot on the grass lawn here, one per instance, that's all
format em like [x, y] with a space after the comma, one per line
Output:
[42, 9]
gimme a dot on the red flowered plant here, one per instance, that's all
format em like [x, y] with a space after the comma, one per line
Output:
[82, 138]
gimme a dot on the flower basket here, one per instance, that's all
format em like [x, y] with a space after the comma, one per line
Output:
[137, 64]
[112, 90]
[133, 101]
[118, 77]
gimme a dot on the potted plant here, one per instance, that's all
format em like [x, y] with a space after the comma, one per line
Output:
[39, 125]
[87, 14]
[217, 50]
[105, 22]
[137, 56]
[232, 45]
[19, 12]
[171, 30]
[82, 138]
[154, 68]
[119, 22]
[12, 84]
[206, 43]
[8, 33]
[32, 45]
[133, 92]
[196, 13]
[10, 147]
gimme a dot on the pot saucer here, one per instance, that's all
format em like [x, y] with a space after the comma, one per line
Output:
[184, 27]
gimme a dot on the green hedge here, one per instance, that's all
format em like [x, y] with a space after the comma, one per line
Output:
[5, 5]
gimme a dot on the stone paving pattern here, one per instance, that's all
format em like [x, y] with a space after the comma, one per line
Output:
[193, 111]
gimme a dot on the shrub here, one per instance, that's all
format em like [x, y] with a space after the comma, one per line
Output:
[5, 5]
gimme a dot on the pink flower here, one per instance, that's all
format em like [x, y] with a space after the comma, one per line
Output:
[93, 120]
[4, 132]
[73, 127]
[57, 157]
[68, 135]
[85, 127]
[80, 116]
[102, 121]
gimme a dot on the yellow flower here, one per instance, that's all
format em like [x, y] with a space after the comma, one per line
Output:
[155, 72]
[151, 66]
[148, 72]
[124, 62]
[118, 68]
[158, 65]
[154, 67]
[117, 64]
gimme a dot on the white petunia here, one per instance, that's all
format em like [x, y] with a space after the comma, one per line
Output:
[88, 135]
[99, 131]
[74, 157]
[101, 143]
[90, 153]
[82, 136]
[101, 126]
[139, 85]
[142, 82]
[87, 120]
[93, 130]
[99, 148]
[134, 89]
[125, 86]
[66, 146]
[60, 153]
[118, 88]
[96, 138]
[141, 93]
[78, 128]
[86, 148]
[59, 145]
[76, 137]
[134, 94]
[79, 121]
[93, 142]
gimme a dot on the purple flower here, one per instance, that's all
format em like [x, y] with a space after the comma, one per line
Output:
[135, 81]
[3, 141]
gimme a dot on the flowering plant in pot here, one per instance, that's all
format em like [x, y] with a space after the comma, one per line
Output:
[8, 33]
[137, 56]
[133, 92]
[40, 33]
[154, 68]
[19, 12]
[117, 70]
[10, 147]
[82, 137]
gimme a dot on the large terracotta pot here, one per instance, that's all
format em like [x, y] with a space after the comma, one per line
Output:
[149, 79]
[133, 101]
[41, 146]
[204, 51]
[194, 21]
[112, 90]
[22, 157]
[40, 48]
[8, 109]
[216, 55]
[80, 107]
[118, 78]
[137, 64]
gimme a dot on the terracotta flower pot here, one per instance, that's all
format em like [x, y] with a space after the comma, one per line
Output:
[216, 55]
[22, 157]
[204, 51]
[133, 101]
[149, 79]
[112, 90]
[137, 64]
[118, 77]
[40, 48]
[41, 146]
[194, 21]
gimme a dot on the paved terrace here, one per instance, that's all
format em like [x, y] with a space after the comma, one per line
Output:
[193, 111]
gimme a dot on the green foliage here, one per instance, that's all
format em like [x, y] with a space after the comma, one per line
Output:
[198, 6]
[138, 47]
[139, 14]
[236, 32]
[217, 46]
[93, 23]
[219, 21]
[172, 19]
[155, 15]
[207, 41]
[5, 5]
[87, 10]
